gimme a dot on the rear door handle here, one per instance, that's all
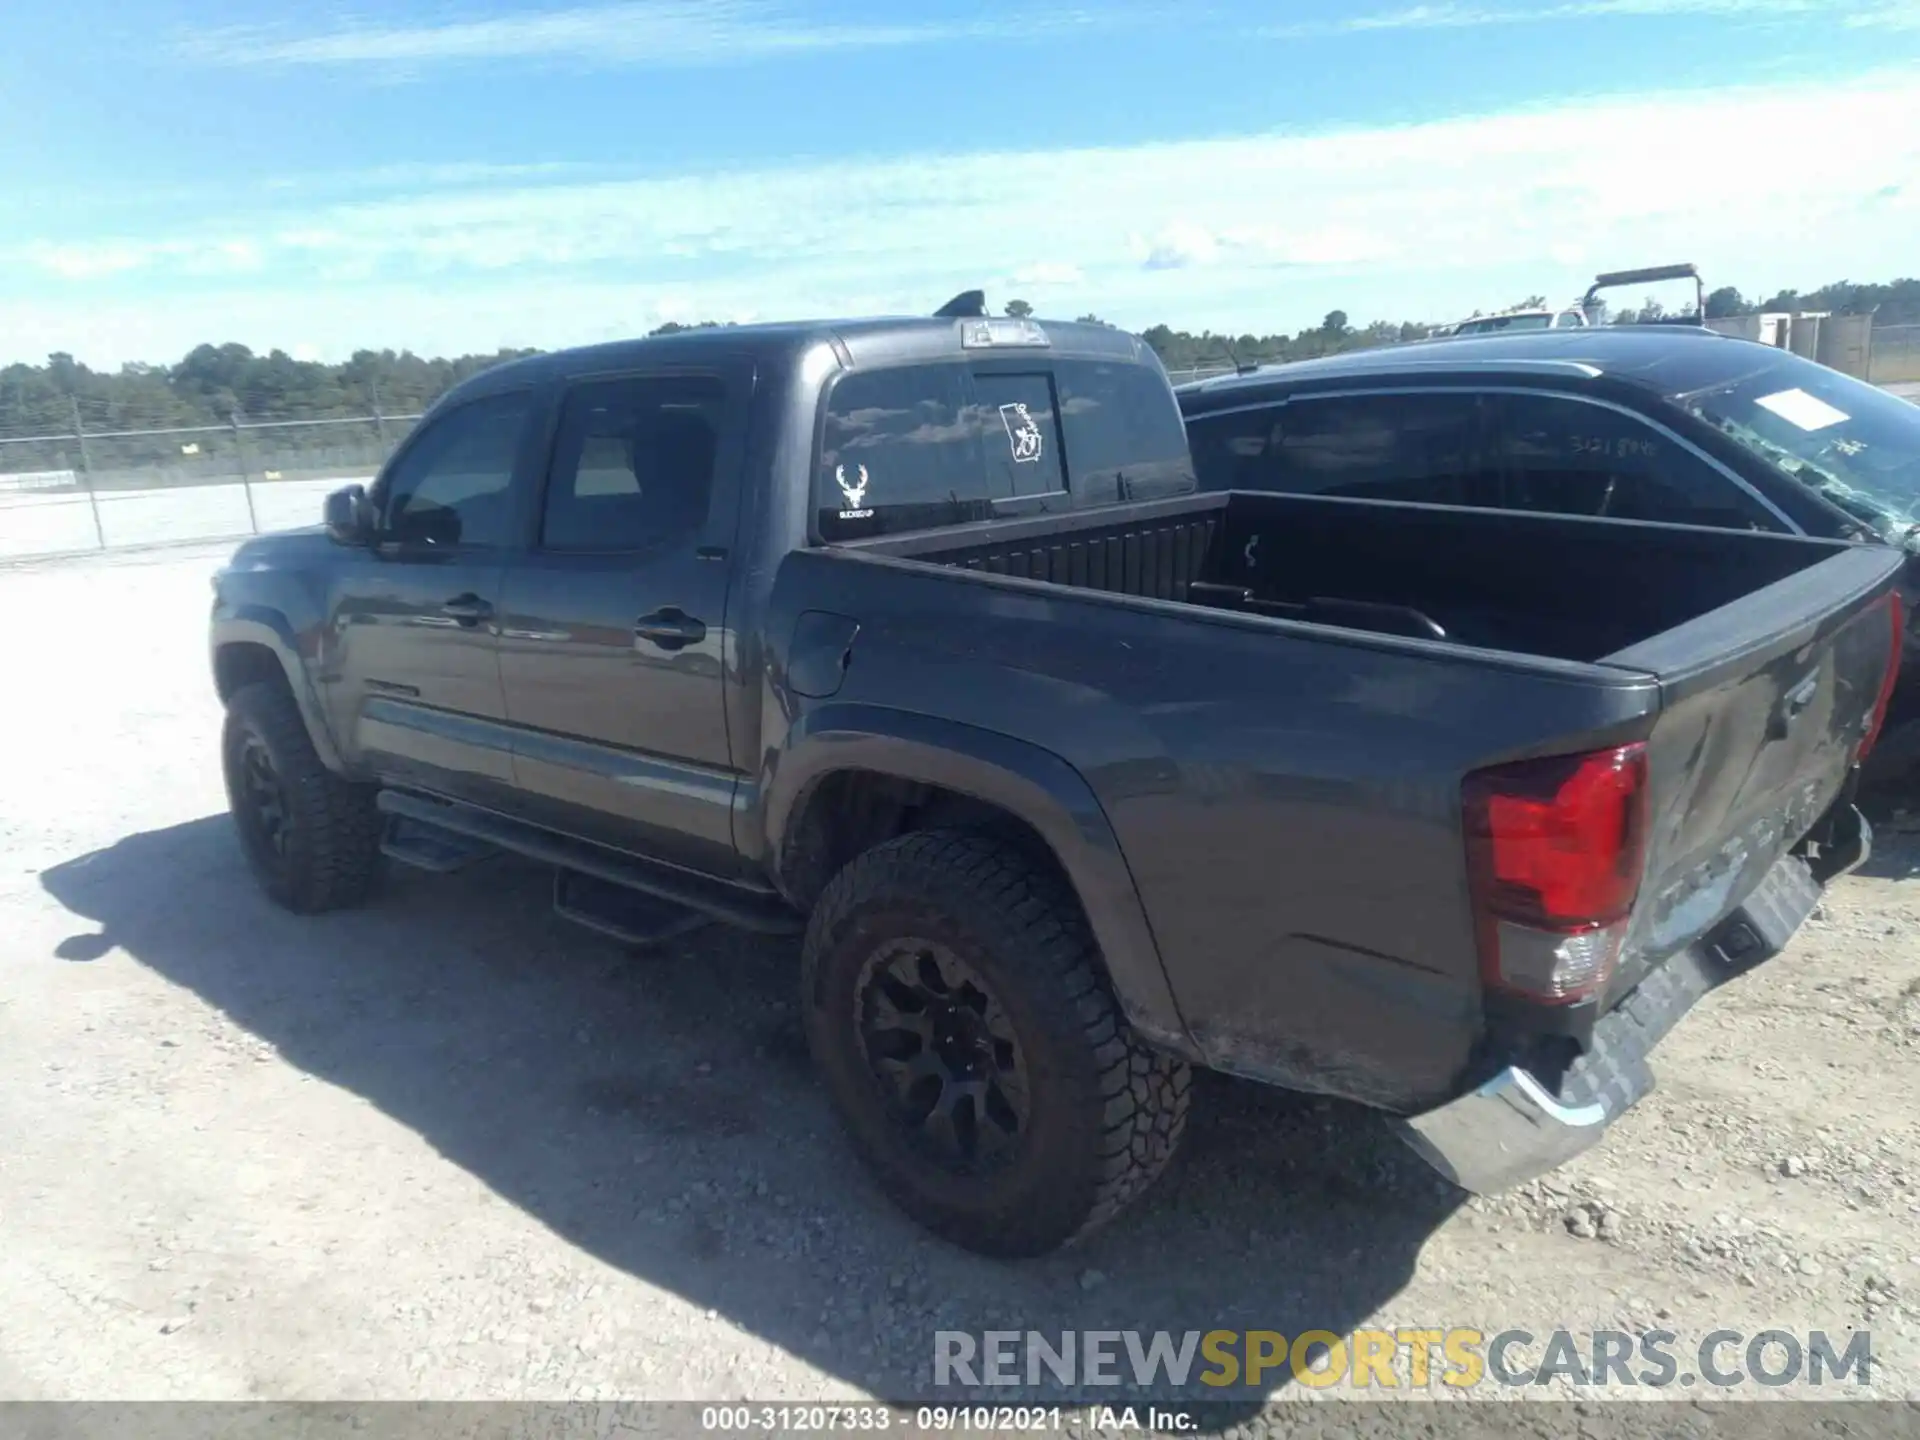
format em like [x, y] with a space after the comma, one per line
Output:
[468, 609]
[671, 628]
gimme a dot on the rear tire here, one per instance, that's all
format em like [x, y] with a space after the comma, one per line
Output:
[311, 838]
[945, 975]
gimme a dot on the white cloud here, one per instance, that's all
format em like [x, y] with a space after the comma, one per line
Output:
[98, 259]
[1453, 16]
[414, 177]
[86, 261]
[1771, 187]
[1180, 245]
[1185, 245]
[1902, 16]
[1048, 274]
[652, 33]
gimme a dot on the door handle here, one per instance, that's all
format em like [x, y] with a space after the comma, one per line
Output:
[670, 629]
[468, 609]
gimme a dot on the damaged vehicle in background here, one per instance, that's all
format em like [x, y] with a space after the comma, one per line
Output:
[1668, 424]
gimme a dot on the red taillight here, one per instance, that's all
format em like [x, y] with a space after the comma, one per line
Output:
[1897, 613]
[1554, 854]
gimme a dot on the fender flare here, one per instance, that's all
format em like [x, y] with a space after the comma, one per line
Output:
[269, 628]
[1016, 776]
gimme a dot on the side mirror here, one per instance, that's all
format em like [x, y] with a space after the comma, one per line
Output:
[349, 516]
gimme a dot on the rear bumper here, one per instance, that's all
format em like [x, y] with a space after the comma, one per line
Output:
[1504, 1134]
[1517, 1126]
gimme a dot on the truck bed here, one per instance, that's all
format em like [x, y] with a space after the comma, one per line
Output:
[1471, 577]
[1276, 700]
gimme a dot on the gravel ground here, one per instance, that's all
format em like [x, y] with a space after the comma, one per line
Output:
[448, 1147]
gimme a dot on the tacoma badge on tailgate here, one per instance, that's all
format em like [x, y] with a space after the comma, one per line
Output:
[1703, 887]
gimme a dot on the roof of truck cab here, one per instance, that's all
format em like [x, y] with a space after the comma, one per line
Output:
[1573, 353]
[864, 342]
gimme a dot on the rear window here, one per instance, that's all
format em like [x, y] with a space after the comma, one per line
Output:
[1020, 438]
[901, 451]
[923, 446]
[1124, 436]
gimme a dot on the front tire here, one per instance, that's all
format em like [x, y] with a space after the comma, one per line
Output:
[311, 838]
[955, 1004]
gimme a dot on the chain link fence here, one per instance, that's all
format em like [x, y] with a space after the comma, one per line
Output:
[93, 487]
[90, 489]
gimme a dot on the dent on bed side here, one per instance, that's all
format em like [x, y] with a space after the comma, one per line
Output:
[1024, 781]
[1309, 1013]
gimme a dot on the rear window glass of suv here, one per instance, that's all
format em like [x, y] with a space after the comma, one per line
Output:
[901, 451]
[1124, 436]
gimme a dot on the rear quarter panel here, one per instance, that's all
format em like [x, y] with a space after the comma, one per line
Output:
[1286, 798]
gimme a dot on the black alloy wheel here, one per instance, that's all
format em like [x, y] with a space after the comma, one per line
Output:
[262, 799]
[944, 1052]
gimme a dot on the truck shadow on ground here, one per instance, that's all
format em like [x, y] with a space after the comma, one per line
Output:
[659, 1111]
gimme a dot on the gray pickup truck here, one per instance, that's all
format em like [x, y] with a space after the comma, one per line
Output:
[914, 637]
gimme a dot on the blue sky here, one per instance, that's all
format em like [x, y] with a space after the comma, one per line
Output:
[458, 175]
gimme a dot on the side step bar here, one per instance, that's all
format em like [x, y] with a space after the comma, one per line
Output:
[428, 847]
[765, 914]
[619, 913]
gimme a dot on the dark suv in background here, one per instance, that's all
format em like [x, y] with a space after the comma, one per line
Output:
[1659, 423]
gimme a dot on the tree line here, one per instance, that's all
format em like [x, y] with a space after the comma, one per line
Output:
[213, 385]
[218, 384]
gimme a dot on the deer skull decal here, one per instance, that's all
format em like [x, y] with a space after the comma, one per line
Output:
[854, 493]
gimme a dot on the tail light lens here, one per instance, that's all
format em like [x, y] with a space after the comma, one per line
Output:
[1555, 850]
[1898, 614]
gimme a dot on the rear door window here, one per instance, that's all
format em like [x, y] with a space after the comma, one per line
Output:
[1568, 456]
[1422, 447]
[633, 463]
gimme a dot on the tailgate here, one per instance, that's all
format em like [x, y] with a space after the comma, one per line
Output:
[1764, 703]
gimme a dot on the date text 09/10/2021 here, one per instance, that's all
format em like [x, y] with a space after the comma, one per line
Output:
[945, 1419]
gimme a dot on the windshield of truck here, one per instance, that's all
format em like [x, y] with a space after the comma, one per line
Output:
[1850, 442]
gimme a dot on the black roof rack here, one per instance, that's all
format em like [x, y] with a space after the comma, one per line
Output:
[1617, 278]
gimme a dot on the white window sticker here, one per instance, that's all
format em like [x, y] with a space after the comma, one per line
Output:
[1023, 431]
[1797, 407]
[854, 490]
